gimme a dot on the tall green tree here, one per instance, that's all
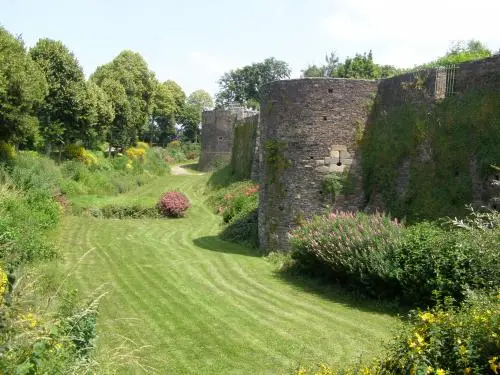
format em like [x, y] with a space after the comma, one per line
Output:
[201, 99]
[131, 71]
[61, 111]
[242, 85]
[190, 118]
[168, 100]
[22, 89]
[98, 115]
[118, 134]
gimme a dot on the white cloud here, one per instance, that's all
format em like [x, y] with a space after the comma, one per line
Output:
[405, 32]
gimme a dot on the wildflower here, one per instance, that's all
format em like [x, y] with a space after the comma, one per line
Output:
[440, 371]
[427, 317]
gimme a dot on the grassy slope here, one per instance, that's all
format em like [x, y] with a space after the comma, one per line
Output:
[202, 305]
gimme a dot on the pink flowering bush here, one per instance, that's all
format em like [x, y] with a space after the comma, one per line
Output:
[353, 248]
[173, 204]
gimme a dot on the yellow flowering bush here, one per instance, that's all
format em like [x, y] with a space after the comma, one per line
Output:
[174, 144]
[450, 340]
[143, 145]
[135, 153]
[7, 151]
[79, 152]
[4, 283]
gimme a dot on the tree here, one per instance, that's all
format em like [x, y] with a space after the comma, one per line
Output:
[361, 66]
[63, 105]
[22, 89]
[131, 71]
[168, 101]
[242, 85]
[99, 115]
[118, 133]
[190, 119]
[462, 51]
[201, 99]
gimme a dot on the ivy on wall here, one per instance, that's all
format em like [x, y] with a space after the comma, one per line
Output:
[439, 142]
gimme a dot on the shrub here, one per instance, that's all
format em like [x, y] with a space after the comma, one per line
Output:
[135, 153]
[124, 212]
[433, 263]
[449, 340]
[174, 144]
[237, 203]
[173, 204]
[7, 151]
[143, 145]
[355, 247]
[78, 152]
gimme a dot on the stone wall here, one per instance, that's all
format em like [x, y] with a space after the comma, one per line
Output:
[308, 130]
[243, 149]
[217, 135]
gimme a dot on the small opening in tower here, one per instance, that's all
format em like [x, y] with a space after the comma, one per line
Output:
[339, 163]
[456, 173]
[221, 138]
[311, 157]
[330, 90]
[497, 177]
[325, 118]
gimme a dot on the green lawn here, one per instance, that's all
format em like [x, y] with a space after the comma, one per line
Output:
[195, 304]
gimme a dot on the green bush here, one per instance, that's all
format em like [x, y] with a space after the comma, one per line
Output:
[463, 340]
[433, 263]
[124, 212]
[237, 203]
[418, 265]
[355, 248]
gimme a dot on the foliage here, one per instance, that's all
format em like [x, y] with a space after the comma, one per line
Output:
[55, 339]
[78, 152]
[242, 152]
[113, 211]
[418, 265]
[355, 247]
[242, 85]
[190, 119]
[132, 101]
[237, 203]
[200, 99]
[135, 153]
[449, 340]
[22, 89]
[168, 101]
[62, 112]
[143, 145]
[173, 204]
[361, 66]
[454, 132]
[459, 52]
[174, 144]
[7, 151]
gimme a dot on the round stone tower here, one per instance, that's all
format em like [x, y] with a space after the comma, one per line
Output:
[217, 135]
[308, 133]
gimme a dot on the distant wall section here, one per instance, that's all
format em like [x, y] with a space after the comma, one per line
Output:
[217, 135]
[243, 149]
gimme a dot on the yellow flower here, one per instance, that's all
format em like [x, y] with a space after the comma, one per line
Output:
[440, 371]
[494, 366]
[468, 371]
[429, 370]
[3, 284]
[427, 317]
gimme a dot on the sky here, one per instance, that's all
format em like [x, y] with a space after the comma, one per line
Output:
[193, 42]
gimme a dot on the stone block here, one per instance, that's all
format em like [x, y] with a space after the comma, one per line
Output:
[335, 154]
[320, 162]
[336, 168]
[338, 148]
[346, 161]
[323, 169]
[344, 154]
